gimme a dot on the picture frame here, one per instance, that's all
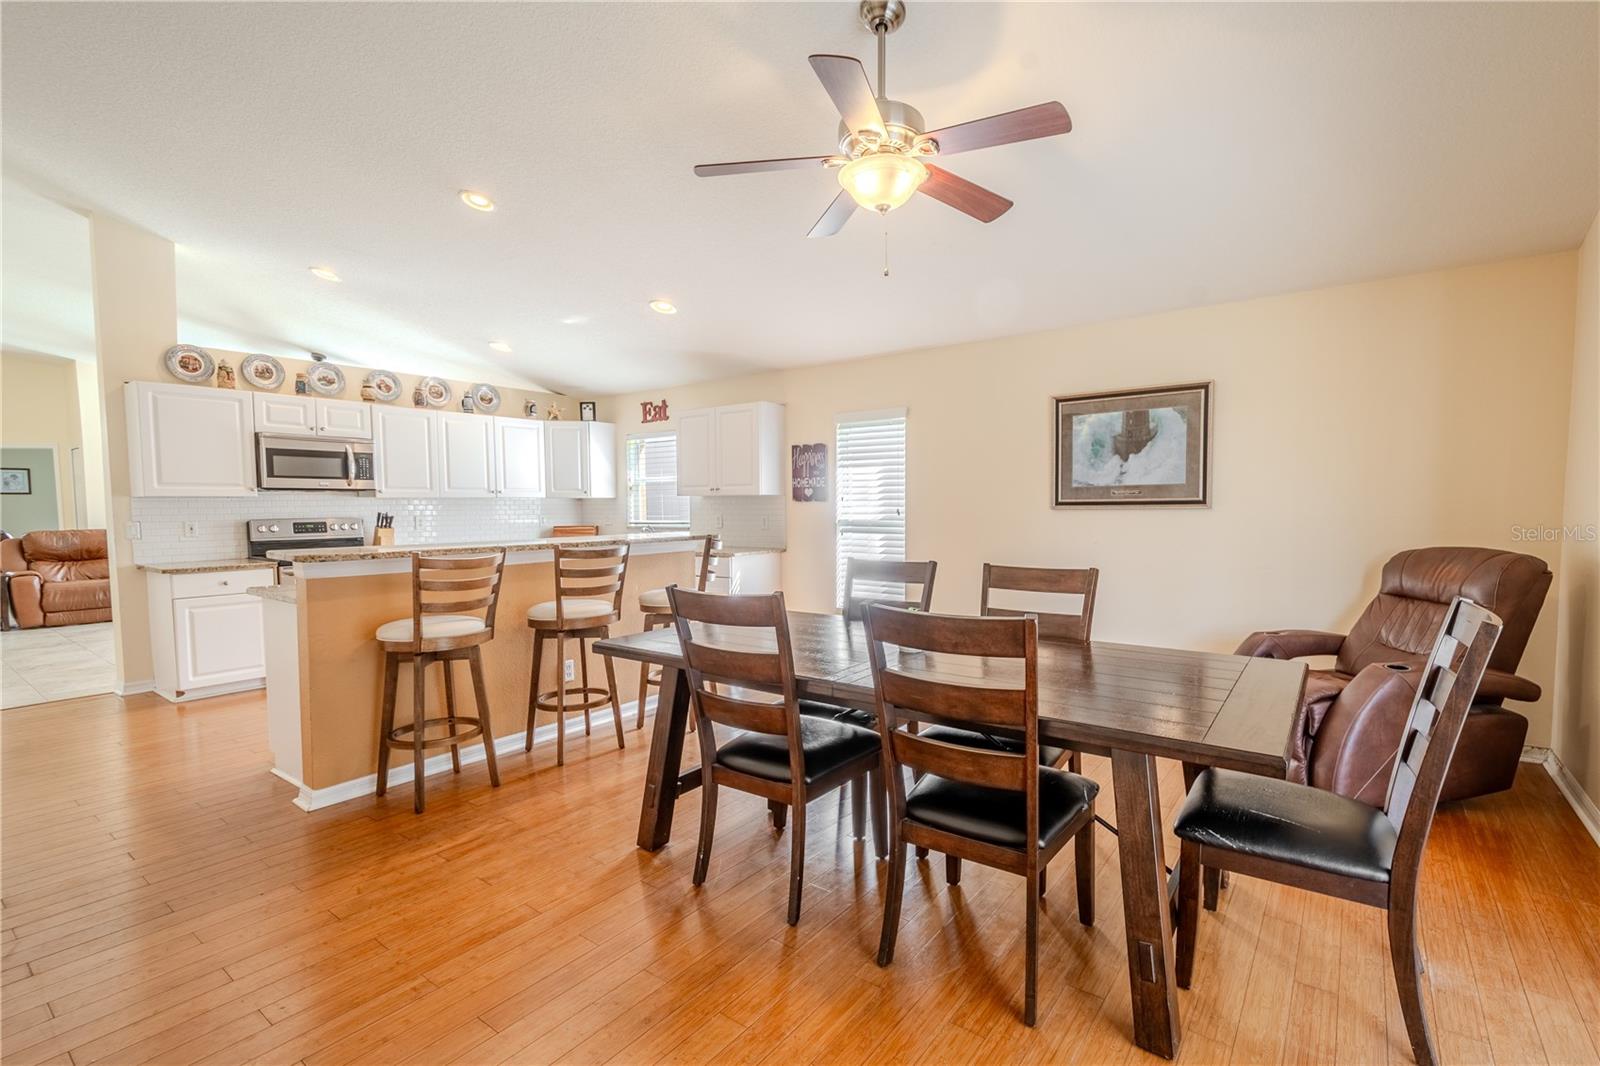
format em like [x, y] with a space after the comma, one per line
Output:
[586, 411]
[16, 481]
[1133, 447]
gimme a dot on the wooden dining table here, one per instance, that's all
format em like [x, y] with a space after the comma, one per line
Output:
[1128, 702]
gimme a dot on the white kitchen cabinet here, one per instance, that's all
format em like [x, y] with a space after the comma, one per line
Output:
[405, 452]
[206, 633]
[466, 455]
[734, 450]
[519, 457]
[582, 460]
[288, 415]
[189, 440]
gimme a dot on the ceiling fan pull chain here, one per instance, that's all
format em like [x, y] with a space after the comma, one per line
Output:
[885, 245]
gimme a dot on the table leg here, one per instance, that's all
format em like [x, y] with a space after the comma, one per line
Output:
[1146, 910]
[666, 757]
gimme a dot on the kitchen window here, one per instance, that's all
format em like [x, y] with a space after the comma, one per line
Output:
[653, 498]
[870, 507]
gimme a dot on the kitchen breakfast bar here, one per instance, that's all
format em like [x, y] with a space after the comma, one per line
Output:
[325, 669]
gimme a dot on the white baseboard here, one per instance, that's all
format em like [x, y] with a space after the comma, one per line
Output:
[134, 688]
[192, 694]
[314, 799]
[1582, 803]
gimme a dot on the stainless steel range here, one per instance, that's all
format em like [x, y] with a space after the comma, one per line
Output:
[274, 534]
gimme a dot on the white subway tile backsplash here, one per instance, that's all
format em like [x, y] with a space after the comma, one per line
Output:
[219, 523]
[741, 521]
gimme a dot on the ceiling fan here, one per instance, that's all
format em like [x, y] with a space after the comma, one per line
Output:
[884, 145]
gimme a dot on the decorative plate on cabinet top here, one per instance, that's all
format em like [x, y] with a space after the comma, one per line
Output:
[486, 398]
[325, 378]
[188, 363]
[435, 392]
[384, 385]
[262, 371]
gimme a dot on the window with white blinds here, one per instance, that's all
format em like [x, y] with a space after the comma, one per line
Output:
[870, 508]
[653, 498]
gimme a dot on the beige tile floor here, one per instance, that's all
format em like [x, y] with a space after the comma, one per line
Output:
[40, 665]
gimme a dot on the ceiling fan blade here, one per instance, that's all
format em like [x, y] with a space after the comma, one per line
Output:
[755, 166]
[837, 214]
[964, 196]
[1040, 120]
[846, 82]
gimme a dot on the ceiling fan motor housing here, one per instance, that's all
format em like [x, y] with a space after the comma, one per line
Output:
[903, 124]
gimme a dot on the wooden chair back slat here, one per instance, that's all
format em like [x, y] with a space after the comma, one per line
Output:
[886, 572]
[752, 716]
[440, 585]
[955, 761]
[1053, 625]
[755, 669]
[998, 707]
[708, 566]
[947, 634]
[597, 573]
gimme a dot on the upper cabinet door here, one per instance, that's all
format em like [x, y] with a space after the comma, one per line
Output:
[519, 457]
[602, 460]
[186, 440]
[697, 469]
[286, 415]
[344, 418]
[738, 456]
[568, 446]
[466, 455]
[405, 447]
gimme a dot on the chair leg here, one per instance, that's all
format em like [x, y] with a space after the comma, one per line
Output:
[450, 713]
[797, 859]
[880, 813]
[561, 699]
[583, 680]
[480, 694]
[952, 870]
[391, 681]
[858, 808]
[891, 900]
[1188, 911]
[708, 827]
[1083, 870]
[1030, 1002]
[779, 813]
[1043, 880]
[616, 702]
[1212, 879]
[1408, 981]
[533, 687]
[419, 712]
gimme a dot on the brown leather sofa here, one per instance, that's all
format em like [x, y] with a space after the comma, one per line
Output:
[58, 577]
[1352, 715]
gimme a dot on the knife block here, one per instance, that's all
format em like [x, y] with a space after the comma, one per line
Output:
[382, 538]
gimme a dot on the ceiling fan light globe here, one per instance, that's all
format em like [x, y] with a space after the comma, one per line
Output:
[882, 182]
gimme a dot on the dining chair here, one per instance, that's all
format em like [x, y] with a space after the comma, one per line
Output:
[1309, 838]
[742, 642]
[658, 614]
[997, 807]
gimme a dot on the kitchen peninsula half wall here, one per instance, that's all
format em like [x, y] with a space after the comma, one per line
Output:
[325, 669]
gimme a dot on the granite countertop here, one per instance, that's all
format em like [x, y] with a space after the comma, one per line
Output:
[729, 553]
[209, 566]
[399, 551]
[276, 593]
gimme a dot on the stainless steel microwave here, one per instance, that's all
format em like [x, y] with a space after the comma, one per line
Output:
[317, 464]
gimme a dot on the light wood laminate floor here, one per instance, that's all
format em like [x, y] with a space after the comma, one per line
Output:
[163, 902]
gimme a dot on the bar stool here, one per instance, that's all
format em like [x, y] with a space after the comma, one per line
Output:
[443, 628]
[588, 602]
[657, 613]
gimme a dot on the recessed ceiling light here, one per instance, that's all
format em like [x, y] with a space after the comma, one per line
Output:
[500, 346]
[574, 320]
[663, 307]
[326, 274]
[476, 200]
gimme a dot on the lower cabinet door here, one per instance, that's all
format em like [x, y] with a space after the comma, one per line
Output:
[218, 640]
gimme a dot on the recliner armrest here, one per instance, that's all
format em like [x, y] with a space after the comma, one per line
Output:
[1499, 685]
[25, 590]
[1290, 644]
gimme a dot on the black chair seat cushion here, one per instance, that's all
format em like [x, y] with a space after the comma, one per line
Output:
[1292, 823]
[827, 746]
[1049, 754]
[817, 709]
[999, 816]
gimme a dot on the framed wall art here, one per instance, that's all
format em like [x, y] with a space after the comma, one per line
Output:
[1137, 446]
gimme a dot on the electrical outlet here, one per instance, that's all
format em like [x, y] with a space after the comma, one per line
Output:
[571, 670]
[766, 521]
[191, 531]
[719, 521]
[134, 531]
[416, 521]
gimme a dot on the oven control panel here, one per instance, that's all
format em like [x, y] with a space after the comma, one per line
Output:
[267, 529]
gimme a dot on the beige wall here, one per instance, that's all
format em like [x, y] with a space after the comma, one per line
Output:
[1577, 671]
[1350, 422]
[92, 431]
[39, 406]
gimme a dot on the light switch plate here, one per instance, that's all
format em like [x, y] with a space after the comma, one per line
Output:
[191, 531]
[571, 671]
[133, 531]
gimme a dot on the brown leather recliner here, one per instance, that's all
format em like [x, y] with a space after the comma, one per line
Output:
[57, 577]
[1352, 716]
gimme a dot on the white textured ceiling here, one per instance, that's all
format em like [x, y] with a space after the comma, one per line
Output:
[1219, 152]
